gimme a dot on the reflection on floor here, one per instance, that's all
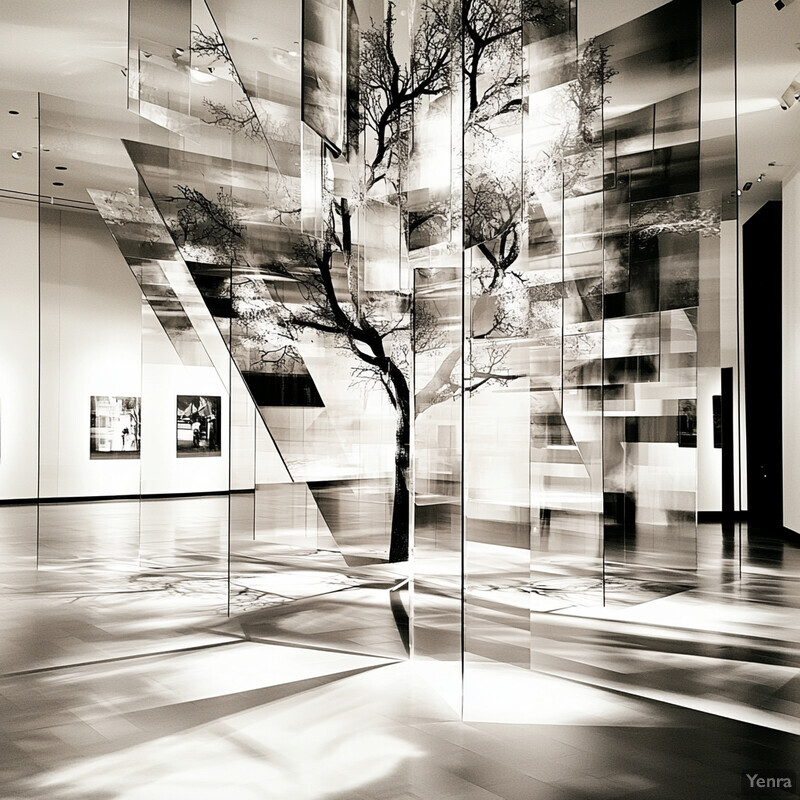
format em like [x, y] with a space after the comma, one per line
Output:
[123, 676]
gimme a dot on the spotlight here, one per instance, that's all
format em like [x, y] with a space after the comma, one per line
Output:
[748, 186]
[760, 177]
[739, 192]
[16, 155]
[787, 99]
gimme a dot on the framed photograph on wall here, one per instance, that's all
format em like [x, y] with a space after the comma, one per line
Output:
[324, 70]
[115, 427]
[198, 426]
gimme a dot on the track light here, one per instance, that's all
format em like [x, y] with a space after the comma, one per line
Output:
[787, 99]
[760, 177]
[781, 4]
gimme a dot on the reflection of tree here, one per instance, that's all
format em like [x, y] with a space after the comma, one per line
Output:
[493, 33]
[684, 214]
[570, 157]
[212, 48]
[492, 204]
[238, 117]
[484, 366]
[207, 231]
[392, 88]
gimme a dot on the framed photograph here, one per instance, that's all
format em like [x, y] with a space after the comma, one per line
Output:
[115, 427]
[198, 426]
[324, 71]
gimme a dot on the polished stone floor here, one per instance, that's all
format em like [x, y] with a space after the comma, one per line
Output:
[123, 676]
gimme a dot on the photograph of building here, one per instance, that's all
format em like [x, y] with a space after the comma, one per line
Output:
[440, 360]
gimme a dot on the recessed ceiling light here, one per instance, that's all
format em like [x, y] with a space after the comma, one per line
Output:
[16, 155]
[179, 51]
[57, 183]
[13, 112]
[61, 168]
[201, 77]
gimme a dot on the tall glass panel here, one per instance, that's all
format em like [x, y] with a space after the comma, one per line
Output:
[657, 218]
[496, 399]
[92, 429]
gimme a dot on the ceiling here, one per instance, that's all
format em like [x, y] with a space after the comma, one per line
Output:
[78, 50]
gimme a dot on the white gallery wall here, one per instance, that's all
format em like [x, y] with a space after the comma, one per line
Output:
[75, 326]
[790, 310]
[90, 345]
[93, 342]
[19, 354]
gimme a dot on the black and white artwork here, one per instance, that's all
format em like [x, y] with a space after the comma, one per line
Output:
[198, 426]
[115, 427]
[324, 79]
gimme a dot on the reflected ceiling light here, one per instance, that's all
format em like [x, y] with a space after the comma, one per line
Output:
[748, 186]
[16, 155]
[288, 59]
[200, 77]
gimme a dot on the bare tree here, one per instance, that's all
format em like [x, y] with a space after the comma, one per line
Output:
[391, 89]
[314, 288]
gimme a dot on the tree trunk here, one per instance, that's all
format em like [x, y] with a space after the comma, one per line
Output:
[398, 548]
